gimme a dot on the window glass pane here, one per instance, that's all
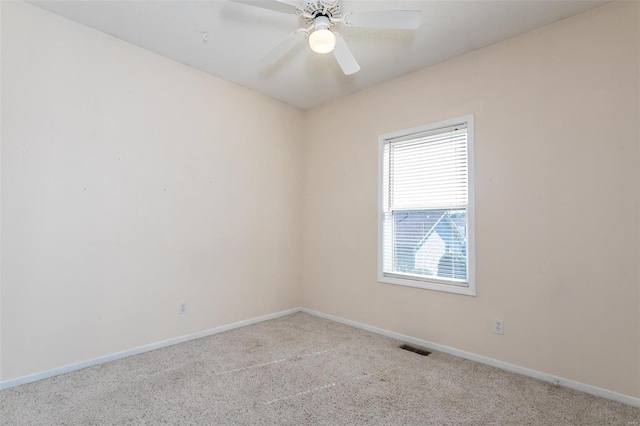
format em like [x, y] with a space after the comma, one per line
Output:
[431, 243]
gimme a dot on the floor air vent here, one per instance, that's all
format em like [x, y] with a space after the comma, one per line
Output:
[415, 349]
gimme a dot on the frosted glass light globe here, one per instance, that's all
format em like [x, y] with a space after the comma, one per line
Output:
[322, 41]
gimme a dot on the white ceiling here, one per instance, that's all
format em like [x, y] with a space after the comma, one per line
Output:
[239, 35]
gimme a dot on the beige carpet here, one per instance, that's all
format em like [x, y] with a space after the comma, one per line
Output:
[300, 370]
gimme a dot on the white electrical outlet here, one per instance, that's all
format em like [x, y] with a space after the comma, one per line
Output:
[498, 327]
[182, 308]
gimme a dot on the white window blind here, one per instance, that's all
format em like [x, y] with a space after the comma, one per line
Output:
[425, 203]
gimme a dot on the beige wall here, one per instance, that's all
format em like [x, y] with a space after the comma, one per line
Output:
[131, 183]
[557, 191]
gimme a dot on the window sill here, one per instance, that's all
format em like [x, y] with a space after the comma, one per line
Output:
[428, 285]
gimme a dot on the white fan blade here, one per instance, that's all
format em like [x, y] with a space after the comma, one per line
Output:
[275, 5]
[283, 47]
[344, 56]
[399, 19]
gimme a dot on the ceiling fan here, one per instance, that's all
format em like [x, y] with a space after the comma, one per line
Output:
[321, 16]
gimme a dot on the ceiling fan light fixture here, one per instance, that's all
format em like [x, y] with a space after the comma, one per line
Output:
[322, 41]
[320, 16]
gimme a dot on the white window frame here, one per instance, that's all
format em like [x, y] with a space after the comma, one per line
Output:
[428, 282]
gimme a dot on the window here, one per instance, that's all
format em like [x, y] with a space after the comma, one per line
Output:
[426, 215]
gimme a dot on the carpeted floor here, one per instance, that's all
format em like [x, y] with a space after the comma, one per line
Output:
[300, 370]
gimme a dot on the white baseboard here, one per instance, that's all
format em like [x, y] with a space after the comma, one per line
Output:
[593, 390]
[135, 351]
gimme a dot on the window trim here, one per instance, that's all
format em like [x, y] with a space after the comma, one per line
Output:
[422, 282]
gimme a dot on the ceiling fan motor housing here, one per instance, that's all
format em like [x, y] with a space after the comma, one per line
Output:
[314, 9]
